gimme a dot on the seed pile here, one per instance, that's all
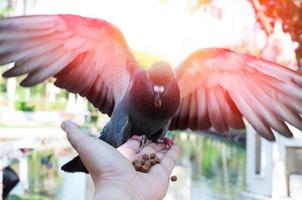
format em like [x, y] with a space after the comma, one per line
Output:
[146, 163]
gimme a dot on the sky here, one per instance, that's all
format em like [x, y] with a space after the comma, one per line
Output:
[164, 28]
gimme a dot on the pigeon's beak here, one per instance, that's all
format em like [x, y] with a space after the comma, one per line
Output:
[157, 102]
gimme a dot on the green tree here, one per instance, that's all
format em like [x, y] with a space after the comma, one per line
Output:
[6, 7]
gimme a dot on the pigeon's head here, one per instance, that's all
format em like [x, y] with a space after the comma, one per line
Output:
[155, 93]
[161, 75]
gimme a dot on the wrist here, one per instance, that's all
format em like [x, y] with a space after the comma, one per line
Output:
[115, 190]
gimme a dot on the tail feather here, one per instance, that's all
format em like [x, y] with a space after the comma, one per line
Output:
[75, 165]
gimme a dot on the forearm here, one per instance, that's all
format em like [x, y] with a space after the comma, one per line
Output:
[115, 191]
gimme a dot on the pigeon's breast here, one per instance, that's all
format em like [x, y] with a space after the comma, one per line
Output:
[143, 112]
[142, 125]
[145, 118]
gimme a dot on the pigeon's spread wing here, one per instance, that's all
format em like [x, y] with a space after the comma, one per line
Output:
[219, 87]
[87, 56]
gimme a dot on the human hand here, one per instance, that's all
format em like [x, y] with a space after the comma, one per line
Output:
[111, 169]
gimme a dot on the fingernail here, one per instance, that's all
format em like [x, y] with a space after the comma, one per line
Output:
[65, 124]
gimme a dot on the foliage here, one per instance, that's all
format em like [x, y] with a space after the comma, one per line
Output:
[6, 7]
[218, 163]
[2, 80]
[25, 106]
[38, 90]
[42, 172]
[38, 100]
[43, 105]
[39, 104]
[211, 157]
[28, 197]
[289, 11]
[93, 113]
[2, 86]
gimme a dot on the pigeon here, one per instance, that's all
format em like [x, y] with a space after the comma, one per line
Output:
[212, 88]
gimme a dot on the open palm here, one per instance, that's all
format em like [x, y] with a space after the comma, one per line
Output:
[111, 168]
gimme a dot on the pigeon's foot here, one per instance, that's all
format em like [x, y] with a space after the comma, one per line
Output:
[142, 139]
[168, 142]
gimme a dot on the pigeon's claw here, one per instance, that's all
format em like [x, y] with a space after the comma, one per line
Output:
[142, 139]
[166, 141]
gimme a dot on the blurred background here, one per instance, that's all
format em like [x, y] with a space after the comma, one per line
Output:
[234, 165]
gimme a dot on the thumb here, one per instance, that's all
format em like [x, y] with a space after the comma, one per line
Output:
[95, 154]
[79, 140]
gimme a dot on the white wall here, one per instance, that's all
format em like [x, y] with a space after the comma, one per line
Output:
[272, 180]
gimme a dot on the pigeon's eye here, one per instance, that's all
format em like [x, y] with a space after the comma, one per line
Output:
[161, 89]
[158, 88]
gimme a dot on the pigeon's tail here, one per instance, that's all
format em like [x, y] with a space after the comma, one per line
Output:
[75, 165]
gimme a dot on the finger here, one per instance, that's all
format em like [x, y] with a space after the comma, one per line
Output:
[152, 148]
[78, 140]
[160, 147]
[168, 161]
[129, 149]
[159, 155]
[148, 149]
[91, 150]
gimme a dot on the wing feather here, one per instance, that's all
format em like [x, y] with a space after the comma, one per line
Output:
[203, 118]
[273, 70]
[89, 85]
[214, 111]
[231, 119]
[24, 67]
[262, 111]
[42, 74]
[79, 52]
[12, 35]
[230, 86]
[96, 86]
[251, 116]
[193, 112]
[31, 22]
[184, 114]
